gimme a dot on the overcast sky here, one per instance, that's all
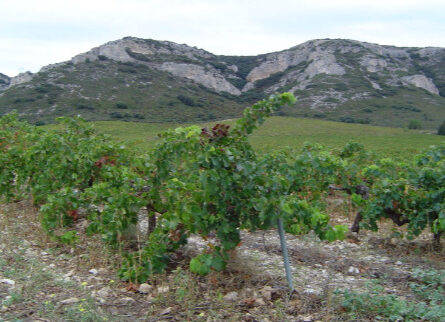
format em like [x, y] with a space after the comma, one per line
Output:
[35, 33]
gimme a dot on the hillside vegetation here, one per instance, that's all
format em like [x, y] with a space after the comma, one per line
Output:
[145, 80]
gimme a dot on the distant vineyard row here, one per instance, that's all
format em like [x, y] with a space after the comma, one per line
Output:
[207, 181]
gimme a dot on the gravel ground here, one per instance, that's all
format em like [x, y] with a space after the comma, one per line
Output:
[40, 281]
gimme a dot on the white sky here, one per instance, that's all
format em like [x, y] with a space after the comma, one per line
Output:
[35, 33]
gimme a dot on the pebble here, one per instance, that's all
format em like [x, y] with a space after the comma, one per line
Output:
[167, 311]
[266, 293]
[353, 270]
[259, 301]
[69, 274]
[102, 270]
[231, 296]
[163, 289]
[93, 271]
[126, 300]
[7, 281]
[71, 300]
[104, 292]
[145, 288]
[399, 263]
[309, 291]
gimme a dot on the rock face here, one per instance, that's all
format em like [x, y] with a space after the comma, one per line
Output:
[374, 65]
[112, 50]
[147, 52]
[4, 81]
[209, 78]
[421, 81]
[21, 78]
[298, 65]
[322, 61]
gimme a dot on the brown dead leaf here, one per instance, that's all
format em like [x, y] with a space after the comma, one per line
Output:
[249, 302]
[132, 287]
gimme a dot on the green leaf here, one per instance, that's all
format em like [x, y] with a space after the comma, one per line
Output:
[201, 264]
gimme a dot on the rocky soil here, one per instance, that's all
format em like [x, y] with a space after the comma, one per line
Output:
[40, 281]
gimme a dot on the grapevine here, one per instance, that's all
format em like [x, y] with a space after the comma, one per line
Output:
[206, 182]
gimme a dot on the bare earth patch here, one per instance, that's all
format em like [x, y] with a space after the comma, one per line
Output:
[42, 281]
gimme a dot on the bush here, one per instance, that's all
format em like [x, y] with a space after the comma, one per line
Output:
[414, 125]
[116, 115]
[138, 116]
[85, 107]
[342, 87]
[186, 100]
[363, 121]
[122, 106]
[347, 119]
[441, 130]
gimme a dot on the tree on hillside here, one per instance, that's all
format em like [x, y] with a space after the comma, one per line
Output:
[441, 130]
[414, 125]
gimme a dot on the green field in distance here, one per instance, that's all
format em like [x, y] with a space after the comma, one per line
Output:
[280, 132]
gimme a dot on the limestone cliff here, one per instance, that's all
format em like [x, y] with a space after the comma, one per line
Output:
[207, 77]
[421, 81]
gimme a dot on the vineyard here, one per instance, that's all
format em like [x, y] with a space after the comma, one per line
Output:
[210, 183]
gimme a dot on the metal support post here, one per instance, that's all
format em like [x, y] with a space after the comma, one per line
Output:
[285, 255]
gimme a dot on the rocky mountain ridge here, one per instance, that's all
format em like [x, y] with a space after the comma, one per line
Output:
[4, 82]
[328, 76]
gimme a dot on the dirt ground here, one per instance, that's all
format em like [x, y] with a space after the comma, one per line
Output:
[41, 281]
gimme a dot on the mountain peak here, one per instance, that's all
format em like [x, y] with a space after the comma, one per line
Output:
[337, 79]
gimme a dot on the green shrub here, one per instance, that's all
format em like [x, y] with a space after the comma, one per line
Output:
[85, 107]
[116, 115]
[138, 116]
[426, 302]
[237, 82]
[122, 106]
[269, 81]
[441, 129]
[342, 87]
[186, 100]
[414, 125]
[347, 119]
